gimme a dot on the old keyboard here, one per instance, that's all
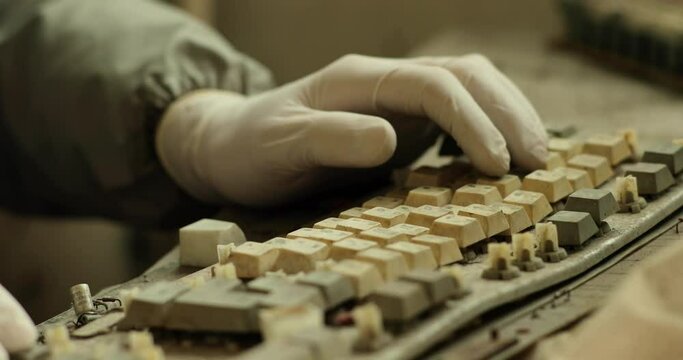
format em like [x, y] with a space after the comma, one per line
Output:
[393, 276]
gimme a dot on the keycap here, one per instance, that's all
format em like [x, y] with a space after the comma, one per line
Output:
[291, 294]
[148, 308]
[404, 209]
[599, 203]
[417, 256]
[198, 241]
[426, 176]
[438, 285]
[279, 323]
[626, 191]
[598, 167]
[535, 204]
[652, 178]
[356, 225]
[553, 185]
[354, 212]
[573, 228]
[400, 301]
[329, 223]
[516, 217]
[445, 249]
[336, 289]
[492, 221]
[409, 230]
[524, 252]
[476, 194]
[554, 160]
[328, 236]
[429, 195]
[455, 273]
[561, 131]
[385, 216]
[499, 263]
[579, 179]
[505, 184]
[567, 148]
[364, 276]
[391, 264]
[548, 244]
[253, 259]
[349, 247]
[454, 209]
[670, 155]
[382, 236]
[297, 255]
[613, 147]
[425, 215]
[383, 201]
[465, 230]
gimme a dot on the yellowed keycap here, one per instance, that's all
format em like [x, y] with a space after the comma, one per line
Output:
[253, 259]
[516, 217]
[329, 223]
[429, 195]
[391, 264]
[492, 221]
[356, 225]
[426, 176]
[567, 148]
[386, 217]
[454, 209]
[383, 236]
[579, 179]
[445, 249]
[409, 230]
[476, 194]
[404, 209]
[327, 236]
[678, 141]
[354, 212]
[417, 256]
[554, 160]
[425, 215]
[465, 230]
[383, 201]
[505, 184]
[535, 204]
[297, 255]
[598, 167]
[613, 147]
[553, 185]
[349, 247]
[364, 276]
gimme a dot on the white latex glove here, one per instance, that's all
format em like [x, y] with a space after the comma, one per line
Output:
[17, 331]
[269, 148]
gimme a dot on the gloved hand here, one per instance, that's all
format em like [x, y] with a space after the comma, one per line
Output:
[267, 149]
[17, 331]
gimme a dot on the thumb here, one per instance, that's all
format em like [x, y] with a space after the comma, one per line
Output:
[344, 139]
[17, 331]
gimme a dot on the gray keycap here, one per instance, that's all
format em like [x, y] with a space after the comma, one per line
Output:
[652, 178]
[400, 301]
[293, 295]
[335, 288]
[148, 308]
[670, 155]
[599, 203]
[573, 227]
[438, 285]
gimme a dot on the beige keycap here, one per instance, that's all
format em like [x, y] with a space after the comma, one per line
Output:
[328, 236]
[445, 249]
[354, 212]
[554, 161]
[329, 223]
[535, 204]
[567, 148]
[517, 218]
[349, 247]
[476, 194]
[429, 195]
[597, 167]
[579, 179]
[417, 256]
[297, 255]
[425, 215]
[253, 259]
[383, 236]
[409, 230]
[356, 225]
[404, 209]
[465, 230]
[383, 201]
[505, 184]
[553, 185]
[613, 147]
[426, 176]
[391, 264]
[365, 276]
[492, 221]
[454, 209]
[386, 217]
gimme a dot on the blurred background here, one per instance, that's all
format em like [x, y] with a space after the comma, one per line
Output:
[547, 47]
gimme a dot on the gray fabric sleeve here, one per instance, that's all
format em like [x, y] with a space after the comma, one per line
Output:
[82, 86]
